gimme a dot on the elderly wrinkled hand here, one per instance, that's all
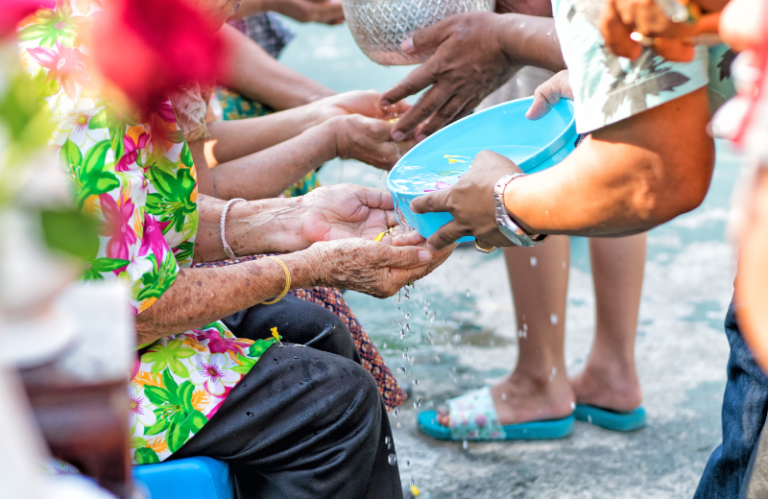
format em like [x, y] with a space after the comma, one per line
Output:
[372, 267]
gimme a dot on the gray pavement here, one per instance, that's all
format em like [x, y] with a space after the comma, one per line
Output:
[681, 347]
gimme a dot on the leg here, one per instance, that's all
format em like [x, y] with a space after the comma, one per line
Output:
[303, 423]
[297, 321]
[745, 406]
[538, 388]
[609, 379]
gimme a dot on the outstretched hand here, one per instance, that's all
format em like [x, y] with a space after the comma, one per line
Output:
[346, 211]
[368, 140]
[363, 102]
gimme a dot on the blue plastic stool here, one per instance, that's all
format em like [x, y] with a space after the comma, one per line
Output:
[190, 478]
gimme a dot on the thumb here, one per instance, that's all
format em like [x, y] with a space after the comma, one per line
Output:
[433, 201]
[548, 94]
[406, 257]
[425, 39]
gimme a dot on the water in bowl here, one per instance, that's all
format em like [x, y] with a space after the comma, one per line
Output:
[435, 171]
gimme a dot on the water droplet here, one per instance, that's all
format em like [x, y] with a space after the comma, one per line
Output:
[533, 261]
[504, 396]
[418, 402]
[383, 345]
[573, 405]
[563, 264]
[468, 292]
[589, 419]
[407, 315]
[554, 373]
[408, 328]
[392, 459]
[398, 424]
[402, 334]
[249, 414]
[407, 463]
[415, 382]
[553, 318]
[464, 445]
[386, 440]
[395, 411]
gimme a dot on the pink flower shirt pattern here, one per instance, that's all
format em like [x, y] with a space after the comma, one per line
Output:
[137, 178]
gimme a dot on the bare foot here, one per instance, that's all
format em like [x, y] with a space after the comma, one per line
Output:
[608, 385]
[521, 398]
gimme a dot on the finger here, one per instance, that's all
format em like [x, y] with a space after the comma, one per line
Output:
[617, 34]
[428, 38]
[416, 81]
[432, 201]
[406, 257]
[444, 115]
[447, 235]
[432, 100]
[673, 50]
[411, 238]
[376, 198]
[391, 218]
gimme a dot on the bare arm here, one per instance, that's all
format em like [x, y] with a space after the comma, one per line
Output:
[256, 75]
[625, 178]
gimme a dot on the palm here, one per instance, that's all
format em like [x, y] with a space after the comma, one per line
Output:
[347, 211]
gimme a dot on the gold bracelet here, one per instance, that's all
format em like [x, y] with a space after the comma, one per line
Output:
[287, 282]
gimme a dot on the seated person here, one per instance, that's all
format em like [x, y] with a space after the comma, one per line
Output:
[301, 422]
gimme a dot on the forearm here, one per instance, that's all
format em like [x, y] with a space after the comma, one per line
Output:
[231, 140]
[269, 172]
[530, 41]
[256, 75]
[249, 8]
[252, 227]
[624, 179]
[201, 296]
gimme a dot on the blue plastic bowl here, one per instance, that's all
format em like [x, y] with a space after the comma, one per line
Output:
[437, 162]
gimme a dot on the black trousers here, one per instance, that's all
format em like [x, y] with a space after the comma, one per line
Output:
[307, 421]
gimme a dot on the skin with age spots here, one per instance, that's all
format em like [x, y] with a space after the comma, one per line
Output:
[321, 233]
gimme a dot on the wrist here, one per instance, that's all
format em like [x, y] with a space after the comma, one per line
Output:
[513, 203]
[265, 226]
[336, 130]
[304, 267]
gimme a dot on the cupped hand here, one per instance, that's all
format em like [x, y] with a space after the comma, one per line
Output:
[369, 267]
[344, 211]
[364, 102]
[368, 140]
[305, 11]
[470, 202]
[467, 65]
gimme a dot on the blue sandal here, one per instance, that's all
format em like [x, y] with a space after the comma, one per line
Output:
[611, 420]
[473, 417]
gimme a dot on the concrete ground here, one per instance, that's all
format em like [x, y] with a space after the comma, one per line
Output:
[681, 347]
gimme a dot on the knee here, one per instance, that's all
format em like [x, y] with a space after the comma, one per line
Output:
[356, 393]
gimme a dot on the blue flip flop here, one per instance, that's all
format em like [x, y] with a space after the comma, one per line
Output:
[611, 420]
[473, 417]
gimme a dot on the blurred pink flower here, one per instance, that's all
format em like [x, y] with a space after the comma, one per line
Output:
[65, 64]
[16, 10]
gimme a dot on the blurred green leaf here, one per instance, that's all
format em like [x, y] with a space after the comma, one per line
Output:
[71, 232]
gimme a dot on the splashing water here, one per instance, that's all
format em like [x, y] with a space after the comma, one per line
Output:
[392, 459]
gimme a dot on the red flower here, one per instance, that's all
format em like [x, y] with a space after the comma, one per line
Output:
[16, 10]
[148, 48]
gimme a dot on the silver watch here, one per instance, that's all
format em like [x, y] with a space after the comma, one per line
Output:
[505, 223]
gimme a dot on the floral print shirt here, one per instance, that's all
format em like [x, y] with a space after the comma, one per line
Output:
[136, 176]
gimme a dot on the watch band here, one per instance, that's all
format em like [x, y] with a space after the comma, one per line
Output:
[506, 225]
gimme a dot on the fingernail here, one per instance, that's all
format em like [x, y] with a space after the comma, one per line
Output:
[407, 45]
[384, 103]
[425, 256]
[431, 248]
[398, 136]
[421, 137]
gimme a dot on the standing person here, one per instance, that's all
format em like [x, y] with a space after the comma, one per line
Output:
[646, 157]
[607, 392]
